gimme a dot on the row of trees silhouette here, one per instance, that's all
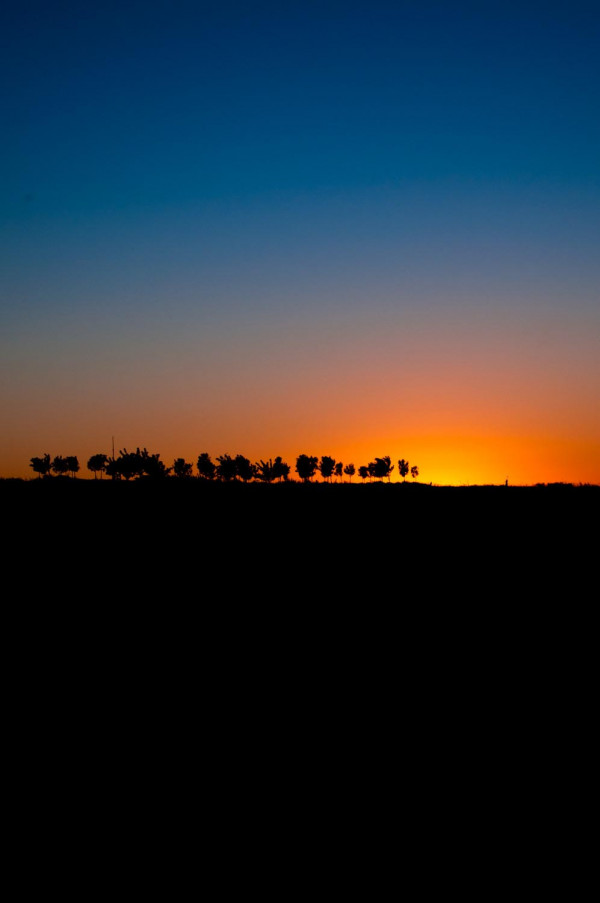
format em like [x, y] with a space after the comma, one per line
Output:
[60, 466]
[141, 464]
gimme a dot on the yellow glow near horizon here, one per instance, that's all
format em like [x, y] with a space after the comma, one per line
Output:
[466, 408]
[442, 460]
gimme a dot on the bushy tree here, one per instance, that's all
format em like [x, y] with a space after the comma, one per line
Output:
[244, 468]
[182, 469]
[72, 465]
[306, 466]
[265, 471]
[206, 467]
[339, 469]
[41, 466]
[281, 469]
[151, 465]
[326, 467]
[363, 472]
[112, 469]
[403, 468]
[97, 465]
[414, 471]
[350, 470]
[270, 470]
[60, 465]
[129, 464]
[137, 464]
[381, 468]
[226, 468]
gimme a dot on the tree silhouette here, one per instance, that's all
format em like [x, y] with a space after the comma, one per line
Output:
[326, 467]
[41, 466]
[142, 464]
[60, 465]
[306, 466]
[265, 471]
[129, 464]
[206, 468]
[281, 469]
[151, 465]
[381, 468]
[113, 469]
[137, 464]
[226, 468]
[182, 469]
[72, 465]
[97, 464]
[244, 468]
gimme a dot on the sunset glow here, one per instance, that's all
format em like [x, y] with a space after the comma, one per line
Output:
[353, 231]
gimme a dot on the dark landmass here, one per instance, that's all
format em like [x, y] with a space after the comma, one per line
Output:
[334, 526]
[459, 606]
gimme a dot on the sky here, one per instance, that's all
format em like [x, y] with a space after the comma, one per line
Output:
[344, 228]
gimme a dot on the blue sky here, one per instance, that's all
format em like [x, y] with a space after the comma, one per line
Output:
[189, 172]
[120, 106]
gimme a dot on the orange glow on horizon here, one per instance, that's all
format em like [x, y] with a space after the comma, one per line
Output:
[472, 406]
[442, 459]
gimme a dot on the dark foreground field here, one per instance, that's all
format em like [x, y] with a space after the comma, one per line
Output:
[250, 534]
[453, 623]
[377, 573]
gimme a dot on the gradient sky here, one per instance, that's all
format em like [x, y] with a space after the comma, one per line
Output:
[340, 228]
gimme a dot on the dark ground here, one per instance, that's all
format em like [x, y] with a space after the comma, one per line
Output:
[390, 535]
[376, 575]
[296, 637]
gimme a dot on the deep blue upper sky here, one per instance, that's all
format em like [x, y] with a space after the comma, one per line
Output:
[118, 105]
